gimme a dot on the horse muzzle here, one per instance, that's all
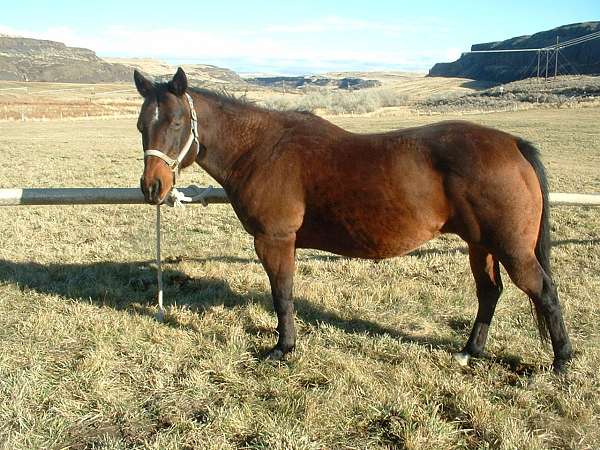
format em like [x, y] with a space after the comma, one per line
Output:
[152, 192]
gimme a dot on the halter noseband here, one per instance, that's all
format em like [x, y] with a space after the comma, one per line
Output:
[175, 163]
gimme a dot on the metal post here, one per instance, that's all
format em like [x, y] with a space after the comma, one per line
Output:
[538, 71]
[546, 76]
[556, 59]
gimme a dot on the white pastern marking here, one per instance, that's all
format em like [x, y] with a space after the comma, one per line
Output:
[461, 358]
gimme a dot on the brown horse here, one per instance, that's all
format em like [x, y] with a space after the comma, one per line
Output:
[297, 181]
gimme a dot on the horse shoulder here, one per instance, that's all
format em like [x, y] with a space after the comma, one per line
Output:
[269, 198]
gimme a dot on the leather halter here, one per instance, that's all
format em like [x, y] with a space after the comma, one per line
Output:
[175, 163]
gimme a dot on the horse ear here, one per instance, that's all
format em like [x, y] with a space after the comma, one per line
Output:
[178, 84]
[143, 85]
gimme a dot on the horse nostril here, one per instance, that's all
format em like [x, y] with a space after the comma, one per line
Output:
[155, 190]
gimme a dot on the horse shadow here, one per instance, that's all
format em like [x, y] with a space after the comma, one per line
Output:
[329, 257]
[131, 287]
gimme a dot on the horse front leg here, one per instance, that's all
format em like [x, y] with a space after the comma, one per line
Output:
[277, 255]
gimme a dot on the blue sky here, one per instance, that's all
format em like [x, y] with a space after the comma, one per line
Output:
[294, 37]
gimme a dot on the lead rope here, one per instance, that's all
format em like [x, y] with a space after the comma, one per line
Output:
[160, 316]
[176, 199]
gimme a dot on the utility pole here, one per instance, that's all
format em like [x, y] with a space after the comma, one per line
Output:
[556, 59]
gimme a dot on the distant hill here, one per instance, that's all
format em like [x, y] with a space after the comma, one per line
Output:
[204, 74]
[506, 67]
[25, 59]
[349, 83]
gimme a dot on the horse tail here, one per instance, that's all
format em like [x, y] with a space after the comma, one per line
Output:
[543, 245]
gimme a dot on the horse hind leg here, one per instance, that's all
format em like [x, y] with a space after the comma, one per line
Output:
[486, 271]
[527, 273]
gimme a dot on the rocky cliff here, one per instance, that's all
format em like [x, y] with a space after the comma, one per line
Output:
[504, 67]
[25, 59]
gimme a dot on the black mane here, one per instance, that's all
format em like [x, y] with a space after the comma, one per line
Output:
[224, 97]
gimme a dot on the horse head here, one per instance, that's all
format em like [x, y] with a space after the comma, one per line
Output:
[167, 123]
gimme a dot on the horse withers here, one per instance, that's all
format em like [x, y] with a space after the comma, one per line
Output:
[296, 180]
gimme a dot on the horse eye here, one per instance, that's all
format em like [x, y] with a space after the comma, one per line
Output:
[177, 123]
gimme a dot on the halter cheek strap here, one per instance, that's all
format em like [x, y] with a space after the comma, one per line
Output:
[193, 138]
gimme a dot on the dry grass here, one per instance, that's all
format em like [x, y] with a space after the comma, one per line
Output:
[559, 92]
[50, 101]
[399, 89]
[338, 101]
[20, 101]
[84, 365]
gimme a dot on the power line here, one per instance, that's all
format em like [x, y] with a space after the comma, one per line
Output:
[512, 50]
[548, 49]
[530, 68]
[575, 71]
[575, 41]
[569, 43]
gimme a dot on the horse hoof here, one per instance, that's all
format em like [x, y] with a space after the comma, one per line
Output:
[160, 316]
[461, 358]
[275, 355]
[560, 366]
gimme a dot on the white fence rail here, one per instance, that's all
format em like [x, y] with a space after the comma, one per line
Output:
[131, 196]
[94, 196]
[560, 199]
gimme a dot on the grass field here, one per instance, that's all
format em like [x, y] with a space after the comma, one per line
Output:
[42, 101]
[400, 94]
[22, 101]
[83, 364]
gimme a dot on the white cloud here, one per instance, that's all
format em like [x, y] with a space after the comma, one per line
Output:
[9, 31]
[316, 43]
[60, 34]
[452, 54]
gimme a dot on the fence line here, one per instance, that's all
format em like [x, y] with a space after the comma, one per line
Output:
[47, 91]
[91, 90]
[563, 199]
[14, 89]
[133, 196]
[115, 92]
[94, 196]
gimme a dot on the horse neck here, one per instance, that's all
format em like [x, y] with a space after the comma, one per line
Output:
[230, 131]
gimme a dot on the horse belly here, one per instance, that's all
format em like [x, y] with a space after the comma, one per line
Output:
[368, 235]
[385, 206]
